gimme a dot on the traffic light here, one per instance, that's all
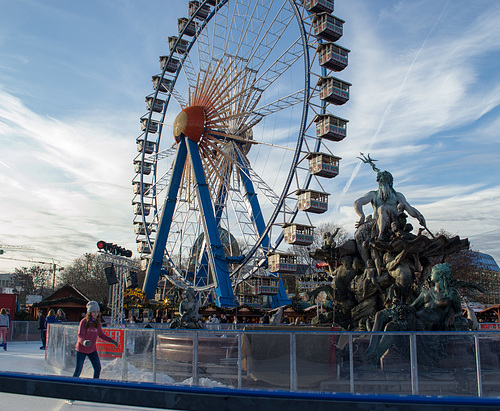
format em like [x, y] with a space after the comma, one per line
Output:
[104, 246]
[113, 249]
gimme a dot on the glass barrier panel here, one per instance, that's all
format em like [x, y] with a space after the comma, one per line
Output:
[381, 363]
[322, 361]
[446, 364]
[60, 352]
[265, 358]
[24, 331]
[489, 353]
[18, 331]
[217, 359]
[174, 356]
[133, 361]
[33, 331]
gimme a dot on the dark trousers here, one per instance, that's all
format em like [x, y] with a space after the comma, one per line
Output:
[94, 359]
[43, 336]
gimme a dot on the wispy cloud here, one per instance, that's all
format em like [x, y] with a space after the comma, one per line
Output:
[65, 190]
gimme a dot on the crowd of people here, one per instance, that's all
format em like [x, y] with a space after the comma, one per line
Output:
[135, 317]
[52, 317]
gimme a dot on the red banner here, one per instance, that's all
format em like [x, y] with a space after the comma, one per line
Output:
[107, 349]
[489, 326]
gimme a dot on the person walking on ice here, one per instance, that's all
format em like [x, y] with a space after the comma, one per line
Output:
[4, 327]
[88, 331]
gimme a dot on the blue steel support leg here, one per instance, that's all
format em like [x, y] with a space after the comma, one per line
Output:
[281, 298]
[251, 196]
[258, 222]
[223, 290]
[154, 268]
[201, 273]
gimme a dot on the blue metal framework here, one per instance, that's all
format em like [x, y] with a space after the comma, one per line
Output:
[214, 249]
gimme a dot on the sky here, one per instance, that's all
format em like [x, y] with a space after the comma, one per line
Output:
[425, 102]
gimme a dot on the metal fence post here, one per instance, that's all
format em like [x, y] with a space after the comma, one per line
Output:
[124, 356]
[414, 366]
[239, 361]
[293, 362]
[154, 355]
[478, 366]
[195, 359]
[351, 364]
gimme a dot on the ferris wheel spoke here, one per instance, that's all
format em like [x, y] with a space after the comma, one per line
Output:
[159, 185]
[258, 57]
[179, 98]
[215, 176]
[203, 53]
[233, 32]
[266, 43]
[248, 101]
[189, 73]
[272, 74]
[216, 38]
[263, 187]
[280, 65]
[271, 108]
[162, 155]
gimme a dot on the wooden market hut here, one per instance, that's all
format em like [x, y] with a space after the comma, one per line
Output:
[489, 315]
[72, 301]
[245, 314]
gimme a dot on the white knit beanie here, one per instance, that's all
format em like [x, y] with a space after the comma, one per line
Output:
[93, 306]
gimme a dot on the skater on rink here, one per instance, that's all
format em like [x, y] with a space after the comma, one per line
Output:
[90, 328]
[4, 327]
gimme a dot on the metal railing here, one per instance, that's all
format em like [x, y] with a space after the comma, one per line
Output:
[23, 331]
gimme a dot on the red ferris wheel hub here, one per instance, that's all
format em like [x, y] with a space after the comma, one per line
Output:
[191, 123]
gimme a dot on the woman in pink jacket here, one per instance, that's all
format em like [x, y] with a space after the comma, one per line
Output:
[90, 328]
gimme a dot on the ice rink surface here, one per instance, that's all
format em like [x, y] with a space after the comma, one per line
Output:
[26, 357]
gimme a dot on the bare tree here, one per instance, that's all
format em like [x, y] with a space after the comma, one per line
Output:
[87, 275]
[32, 280]
[41, 279]
[303, 252]
[23, 280]
[35, 279]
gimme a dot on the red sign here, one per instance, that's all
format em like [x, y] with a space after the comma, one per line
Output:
[107, 349]
[9, 301]
[489, 326]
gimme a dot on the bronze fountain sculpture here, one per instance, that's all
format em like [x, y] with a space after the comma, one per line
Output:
[386, 265]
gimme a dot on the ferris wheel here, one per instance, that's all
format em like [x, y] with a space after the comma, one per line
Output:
[235, 143]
